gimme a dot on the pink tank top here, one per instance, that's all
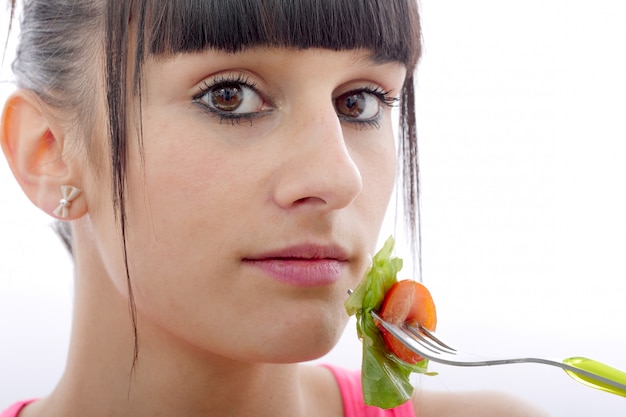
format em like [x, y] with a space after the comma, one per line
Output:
[352, 395]
[349, 385]
[15, 409]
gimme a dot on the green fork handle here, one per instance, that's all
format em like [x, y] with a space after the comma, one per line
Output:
[599, 369]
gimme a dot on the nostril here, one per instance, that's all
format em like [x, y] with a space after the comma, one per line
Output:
[308, 200]
[323, 190]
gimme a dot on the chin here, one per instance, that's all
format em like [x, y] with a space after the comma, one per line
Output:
[305, 341]
[302, 353]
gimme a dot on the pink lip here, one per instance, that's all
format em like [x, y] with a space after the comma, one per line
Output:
[303, 265]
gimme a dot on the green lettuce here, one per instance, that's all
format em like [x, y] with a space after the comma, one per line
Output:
[384, 377]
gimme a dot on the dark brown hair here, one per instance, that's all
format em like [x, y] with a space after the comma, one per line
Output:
[60, 39]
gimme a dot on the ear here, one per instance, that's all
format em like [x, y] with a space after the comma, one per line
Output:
[33, 142]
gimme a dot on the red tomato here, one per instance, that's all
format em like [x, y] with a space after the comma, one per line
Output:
[409, 302]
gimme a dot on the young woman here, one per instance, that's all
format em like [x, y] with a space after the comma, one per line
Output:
[220, 171]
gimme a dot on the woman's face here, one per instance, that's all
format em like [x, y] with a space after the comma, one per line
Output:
[257, 197]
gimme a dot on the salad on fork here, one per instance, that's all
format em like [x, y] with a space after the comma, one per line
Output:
[396, 321]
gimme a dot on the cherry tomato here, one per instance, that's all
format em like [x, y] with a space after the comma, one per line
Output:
[408, 302]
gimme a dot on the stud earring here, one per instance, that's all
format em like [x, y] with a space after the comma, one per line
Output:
[68, 194]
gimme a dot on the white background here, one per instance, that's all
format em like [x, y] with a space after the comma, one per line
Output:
[521, 112]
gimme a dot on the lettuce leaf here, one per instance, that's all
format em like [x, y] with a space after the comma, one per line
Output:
[384, 377]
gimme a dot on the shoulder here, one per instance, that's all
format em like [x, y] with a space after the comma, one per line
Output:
[472, 404]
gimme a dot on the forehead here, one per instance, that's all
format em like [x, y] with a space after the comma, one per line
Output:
[387, 28]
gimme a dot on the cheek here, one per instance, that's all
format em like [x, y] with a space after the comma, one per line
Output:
[177, 218]
[377, 165]
[181, 196]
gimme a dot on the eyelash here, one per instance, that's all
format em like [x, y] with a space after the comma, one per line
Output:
[384, 97]
[222, 81]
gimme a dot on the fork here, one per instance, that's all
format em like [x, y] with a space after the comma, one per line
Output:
[586, 371]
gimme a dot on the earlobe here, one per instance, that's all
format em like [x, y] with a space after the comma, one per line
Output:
[33, 145]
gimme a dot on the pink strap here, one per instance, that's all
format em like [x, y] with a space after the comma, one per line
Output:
[350, 387]
[15, 409]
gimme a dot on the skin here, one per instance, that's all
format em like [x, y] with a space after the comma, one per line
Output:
[218, 335]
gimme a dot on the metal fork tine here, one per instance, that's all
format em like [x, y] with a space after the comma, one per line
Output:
[429, 340]
[436, 339]
[423, 340]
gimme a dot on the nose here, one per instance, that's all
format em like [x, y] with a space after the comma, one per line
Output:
[317, 169]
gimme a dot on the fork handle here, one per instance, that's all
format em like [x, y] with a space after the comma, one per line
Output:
[598, 368]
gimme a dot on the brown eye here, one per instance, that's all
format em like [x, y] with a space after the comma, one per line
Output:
[227, 98]
[232, 98]
[358, 105]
